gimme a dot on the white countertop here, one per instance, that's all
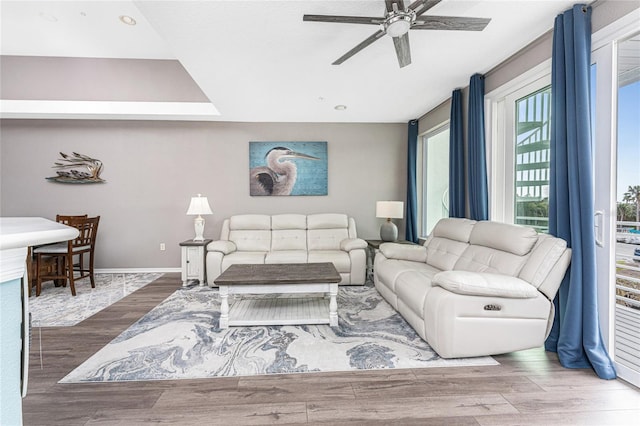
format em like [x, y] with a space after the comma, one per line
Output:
[18, 232]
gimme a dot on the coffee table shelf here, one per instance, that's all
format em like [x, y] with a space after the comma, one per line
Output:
[279, 311]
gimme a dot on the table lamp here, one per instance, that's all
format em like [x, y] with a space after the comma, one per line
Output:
[199, 206]
[389, 210]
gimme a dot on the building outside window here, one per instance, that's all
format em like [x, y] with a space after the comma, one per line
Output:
[533, 136]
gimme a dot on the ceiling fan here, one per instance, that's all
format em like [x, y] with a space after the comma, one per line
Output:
[397, 22]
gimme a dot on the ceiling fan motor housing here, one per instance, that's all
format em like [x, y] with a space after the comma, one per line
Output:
[398, 23]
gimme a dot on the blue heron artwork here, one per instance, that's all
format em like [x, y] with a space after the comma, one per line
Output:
[287, 168]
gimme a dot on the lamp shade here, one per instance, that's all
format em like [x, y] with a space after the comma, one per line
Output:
[199, 205]
[390, 209]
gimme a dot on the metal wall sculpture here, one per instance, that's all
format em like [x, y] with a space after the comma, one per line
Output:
[287, 168]
[68, 172]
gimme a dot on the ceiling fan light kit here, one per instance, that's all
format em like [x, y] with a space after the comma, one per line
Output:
[397, 22]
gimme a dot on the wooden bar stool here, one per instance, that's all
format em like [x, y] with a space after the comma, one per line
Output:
[64, 253]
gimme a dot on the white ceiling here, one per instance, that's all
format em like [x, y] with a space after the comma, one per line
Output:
[258, 61]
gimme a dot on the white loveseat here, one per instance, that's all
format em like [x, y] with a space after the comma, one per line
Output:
[289, 238]
[475, 288]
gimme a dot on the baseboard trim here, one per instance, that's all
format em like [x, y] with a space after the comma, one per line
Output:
[134, 270]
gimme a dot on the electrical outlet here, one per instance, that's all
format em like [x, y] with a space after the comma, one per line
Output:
[162, 247]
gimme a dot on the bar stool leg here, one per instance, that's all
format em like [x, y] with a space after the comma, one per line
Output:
[38, 276]
[69, 258]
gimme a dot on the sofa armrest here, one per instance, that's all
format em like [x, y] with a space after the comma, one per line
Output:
[352, 244]
[411, 252]
[485, 284]
[222, 246]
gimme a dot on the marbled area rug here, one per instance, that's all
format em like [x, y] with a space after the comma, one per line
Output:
[56, 307]
[180, 339]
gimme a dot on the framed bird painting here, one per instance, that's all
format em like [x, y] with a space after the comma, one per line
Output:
[287, 168]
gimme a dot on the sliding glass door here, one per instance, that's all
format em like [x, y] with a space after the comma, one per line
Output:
[627, 284]
[616, 101]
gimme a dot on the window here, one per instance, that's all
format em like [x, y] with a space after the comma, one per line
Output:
[532, 138]
[433, 176]
[519, 150]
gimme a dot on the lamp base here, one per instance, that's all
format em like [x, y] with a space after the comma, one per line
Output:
[388, 231]
[199, 226]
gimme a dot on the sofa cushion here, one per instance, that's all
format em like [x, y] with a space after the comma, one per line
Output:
[443, 253]
[339, 259]
[286, 256]
[250, 221]
[251, 240]
[454, 229]
[515, 239]
[289, 232]
[289, 221]
[485, 284]
[477, 258]
[289, 239]
[327, 221]
[389, 270]
[243, 257]
[250, 232]
[326, 239]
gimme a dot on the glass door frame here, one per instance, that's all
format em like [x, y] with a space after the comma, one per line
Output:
[604, 57]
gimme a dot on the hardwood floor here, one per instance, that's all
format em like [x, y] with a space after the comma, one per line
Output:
[528, 387]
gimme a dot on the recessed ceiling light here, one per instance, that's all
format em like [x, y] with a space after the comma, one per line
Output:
[48, 17]
[126, 19]
[340, 107]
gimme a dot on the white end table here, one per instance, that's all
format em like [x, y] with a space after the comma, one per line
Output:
[193, 265]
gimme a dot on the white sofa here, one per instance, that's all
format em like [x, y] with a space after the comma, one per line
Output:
[289, 238]
[475, 288]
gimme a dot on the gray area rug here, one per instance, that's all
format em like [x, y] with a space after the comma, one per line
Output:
[180, 339]
[56, 307]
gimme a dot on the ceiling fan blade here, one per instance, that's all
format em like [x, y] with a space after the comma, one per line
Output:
[389, 4]
[373, 37]
[402, 49]
[455, 23]
[344, 19]
[421, 6]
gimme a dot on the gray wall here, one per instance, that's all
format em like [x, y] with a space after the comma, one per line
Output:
[96, 79]
[604, 13]
[153, 168]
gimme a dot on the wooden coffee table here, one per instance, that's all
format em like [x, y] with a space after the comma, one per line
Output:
[303, 279]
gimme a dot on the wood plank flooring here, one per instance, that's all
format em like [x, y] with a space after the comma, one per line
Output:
[528, 387]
